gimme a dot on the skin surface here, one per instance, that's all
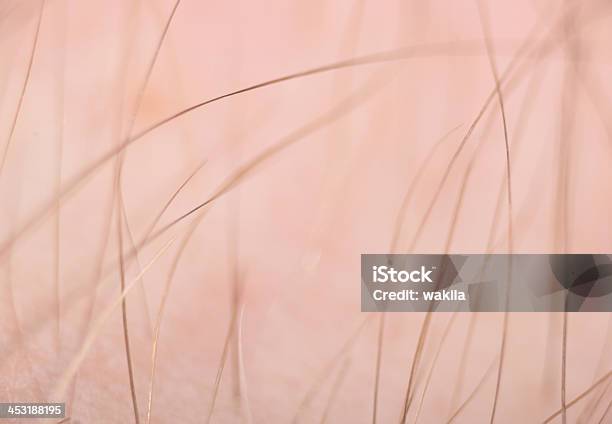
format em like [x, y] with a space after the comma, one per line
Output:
[248, 309]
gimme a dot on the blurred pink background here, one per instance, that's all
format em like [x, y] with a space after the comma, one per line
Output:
[271, 274]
